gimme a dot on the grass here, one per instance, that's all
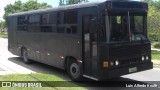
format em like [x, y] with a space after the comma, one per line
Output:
[38, 77]
[2, 35]
[156, 58]
[155, 55]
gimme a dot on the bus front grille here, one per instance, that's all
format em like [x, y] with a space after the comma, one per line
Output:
[128, 54]
[128, 51]
[130, 61]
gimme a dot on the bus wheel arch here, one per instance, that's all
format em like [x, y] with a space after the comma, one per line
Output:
[73, 68]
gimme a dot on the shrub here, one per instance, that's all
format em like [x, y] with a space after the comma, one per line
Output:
[156, 45]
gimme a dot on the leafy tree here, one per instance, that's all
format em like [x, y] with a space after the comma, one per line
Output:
[2, 25]
[153, 20]
[68, 2]
[34, 5]
[18, 6]
[61, 3]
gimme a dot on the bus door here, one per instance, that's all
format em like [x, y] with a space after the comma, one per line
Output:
[89, 45]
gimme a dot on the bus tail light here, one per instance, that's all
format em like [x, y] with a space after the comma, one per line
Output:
[105, 64]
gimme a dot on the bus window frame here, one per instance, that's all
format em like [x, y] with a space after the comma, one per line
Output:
[107, 25]
[114, 13]
[141, 12]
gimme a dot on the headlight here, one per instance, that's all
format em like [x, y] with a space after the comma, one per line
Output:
[147, 58]
[142, 58]
[117, 62]
[111, 63]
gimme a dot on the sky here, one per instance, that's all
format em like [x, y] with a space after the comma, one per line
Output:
[3, 3]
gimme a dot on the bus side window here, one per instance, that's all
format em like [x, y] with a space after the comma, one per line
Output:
[34, 23]
[45, 24]
[58, 17]
[34, 19]
[71, 30]
[46, 29]
[22, 22]
[70, 17]
[45, 18]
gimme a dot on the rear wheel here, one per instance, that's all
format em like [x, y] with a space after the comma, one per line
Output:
[25, 56]
[74, 70]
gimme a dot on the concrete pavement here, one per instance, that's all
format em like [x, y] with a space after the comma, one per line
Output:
[6, 66]
[155, 49]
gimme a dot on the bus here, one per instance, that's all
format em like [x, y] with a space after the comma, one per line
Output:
[97, 40]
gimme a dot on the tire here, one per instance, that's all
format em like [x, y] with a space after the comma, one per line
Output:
[25, 56]
[74, 70]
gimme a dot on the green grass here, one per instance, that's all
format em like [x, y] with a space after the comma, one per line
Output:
[155, 55]
[156, 44]
[38, 77]
[2, 35]
[156, 58]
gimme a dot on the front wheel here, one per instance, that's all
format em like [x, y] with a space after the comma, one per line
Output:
[25, 56]
[74, 71]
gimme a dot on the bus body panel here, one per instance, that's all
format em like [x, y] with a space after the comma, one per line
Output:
[50, 48]
[12, 35]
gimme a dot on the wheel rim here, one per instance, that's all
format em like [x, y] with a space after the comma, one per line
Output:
[74, 70]
[25, 56]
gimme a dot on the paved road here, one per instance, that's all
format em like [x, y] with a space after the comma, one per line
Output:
[13, 64]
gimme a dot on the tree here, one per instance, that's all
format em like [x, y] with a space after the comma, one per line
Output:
[68, 2]
[34, 5]
[18, 6]
[61, 3]
[2, 24]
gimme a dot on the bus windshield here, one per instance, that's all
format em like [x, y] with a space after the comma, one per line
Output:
[126, 26]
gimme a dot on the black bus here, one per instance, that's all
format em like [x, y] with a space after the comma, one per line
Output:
[97, 40]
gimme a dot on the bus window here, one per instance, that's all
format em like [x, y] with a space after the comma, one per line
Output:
[22, 23]
[70, 17]
[58, 17]
[137, 27]
[46, 29]
[102, 28]
[34, 19]
[119, 28]
[125, 27]
[45, 18]
[22, 20]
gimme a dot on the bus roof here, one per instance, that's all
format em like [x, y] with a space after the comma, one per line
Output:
[66, 7]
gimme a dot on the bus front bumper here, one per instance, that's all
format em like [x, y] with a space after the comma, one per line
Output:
[112, 73]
